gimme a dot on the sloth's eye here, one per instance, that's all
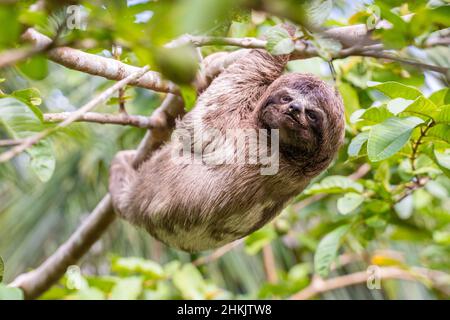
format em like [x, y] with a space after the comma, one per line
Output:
[285, 99]
[311, 115]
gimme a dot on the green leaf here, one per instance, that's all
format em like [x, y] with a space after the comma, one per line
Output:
[327, 48]
[313, 13]
[258, 239]
[350, 97]
[89, 294]
[32, 98]
[349, 202]
[9, 293]
[404, 208]
[190, 282]
[10, 28]
[327, 250]
[335, 184]
[239, 29]
[178, 64]
[443, 115]
[279, 41]
[356, 144]
[421, 106]
[18, 118]
[440, 131]
[127, 289]
[442, 237]
[375, 115]
[138, 265]
[42, 160]
[383, 174]
[30, 95]
[387, 138]
[397, 90]
[189, 95]
[35, 68]
[442, 160]
[440, 97]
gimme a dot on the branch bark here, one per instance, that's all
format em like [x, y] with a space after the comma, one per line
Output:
[74, 116]
[10, 142]
[319, 285]
[102, 118]
[269, 264]
[438, 279]
[97, 65]
[355, 40]
[36, 282]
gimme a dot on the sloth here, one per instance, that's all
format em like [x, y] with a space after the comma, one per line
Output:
[198, 206]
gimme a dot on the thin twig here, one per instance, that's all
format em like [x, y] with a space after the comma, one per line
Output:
[10, 142]
[437, 279]
[304, 49]
[102, 118]
[269, 264]
[74, 116]
[10, 57]
[318, 285]
[391, 56]
[218, 253]
[416, 145]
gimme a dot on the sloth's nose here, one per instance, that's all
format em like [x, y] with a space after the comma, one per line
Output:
[295, 107]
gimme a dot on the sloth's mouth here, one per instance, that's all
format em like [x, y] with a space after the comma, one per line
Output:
[293, 117]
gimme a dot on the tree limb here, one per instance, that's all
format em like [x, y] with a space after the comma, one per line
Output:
[218, 253]
[97, 65]
[35, 282]
[355, 43]
[102, 118]
[319, 285]
[10, 57]
[269, 264]
[10, 142]
[74, 116]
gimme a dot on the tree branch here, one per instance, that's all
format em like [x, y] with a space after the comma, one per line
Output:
[318, 285]
[10, 142]
[102, 118]
[10, 57]
[269, 264]
[392, 56]
[218, 253]
[36, 282]
[74, 116]
[97, 65]
[304, 49]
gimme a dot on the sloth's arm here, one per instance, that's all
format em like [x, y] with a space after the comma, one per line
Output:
[247, 78]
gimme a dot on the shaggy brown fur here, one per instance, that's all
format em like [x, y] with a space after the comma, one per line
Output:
[196, 207]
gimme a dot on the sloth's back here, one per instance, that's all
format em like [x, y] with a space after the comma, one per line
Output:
[217, 204]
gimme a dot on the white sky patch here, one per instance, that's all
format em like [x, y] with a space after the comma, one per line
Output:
[135, 2]
[143, 16]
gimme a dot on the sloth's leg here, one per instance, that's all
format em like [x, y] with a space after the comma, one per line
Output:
[121, 176]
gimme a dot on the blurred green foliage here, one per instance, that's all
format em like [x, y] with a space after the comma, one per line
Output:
[398, 122]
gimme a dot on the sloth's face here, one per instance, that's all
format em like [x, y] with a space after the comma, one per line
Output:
[297, 115]
[308, 113]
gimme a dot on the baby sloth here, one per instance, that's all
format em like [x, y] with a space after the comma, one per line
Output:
[196, 206]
